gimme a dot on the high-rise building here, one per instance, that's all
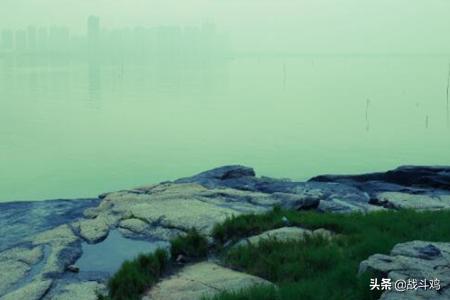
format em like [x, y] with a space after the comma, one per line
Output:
[32, 38]
[42, 39]
[93, 32]
[7, 40]
[21, 40]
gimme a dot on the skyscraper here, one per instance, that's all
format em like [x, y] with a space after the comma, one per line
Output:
[32, 38]
[7, 40]
[21, 40]
[93, 33]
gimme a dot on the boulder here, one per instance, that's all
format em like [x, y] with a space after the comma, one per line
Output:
[202, 279]
[221, 173]
[134, 225]
[97, 229]
[284, 234]
[414, 260]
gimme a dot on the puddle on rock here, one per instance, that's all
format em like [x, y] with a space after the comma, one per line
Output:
[108, 255]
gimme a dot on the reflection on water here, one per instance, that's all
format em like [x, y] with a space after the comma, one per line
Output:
[74, 128]
[94, 80]
[108, 255]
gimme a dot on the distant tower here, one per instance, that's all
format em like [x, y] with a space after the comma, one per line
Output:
[7, 41]
[93, 33]
[32, 38]
[21, 40]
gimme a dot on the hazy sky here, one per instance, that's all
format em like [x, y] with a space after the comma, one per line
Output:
[351, 26]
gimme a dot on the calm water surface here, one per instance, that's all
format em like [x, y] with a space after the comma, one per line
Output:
[76, 129]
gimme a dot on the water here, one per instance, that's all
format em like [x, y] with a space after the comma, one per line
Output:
[70, 128]
[108, 255]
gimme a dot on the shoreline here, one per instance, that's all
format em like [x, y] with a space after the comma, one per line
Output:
[50, 235]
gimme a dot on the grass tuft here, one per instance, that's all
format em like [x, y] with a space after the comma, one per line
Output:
[316, 268]
[136, 276]
[191, 245]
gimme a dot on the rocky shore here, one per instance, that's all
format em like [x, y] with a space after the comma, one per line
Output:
[41, 242]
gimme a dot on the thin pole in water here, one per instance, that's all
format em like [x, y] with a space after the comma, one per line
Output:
[448, 88]
[367, 114]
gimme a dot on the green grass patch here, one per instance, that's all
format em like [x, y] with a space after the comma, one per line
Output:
[192, 245]
[316, 268]
[254, 293]
[136, 276]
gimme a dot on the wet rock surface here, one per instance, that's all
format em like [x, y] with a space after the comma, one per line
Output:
[19, 220]
[50, 236]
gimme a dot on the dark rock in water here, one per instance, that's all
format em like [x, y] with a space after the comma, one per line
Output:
[408, 176]
[73, 269]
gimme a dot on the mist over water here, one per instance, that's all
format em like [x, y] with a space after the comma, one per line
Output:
[145, 91]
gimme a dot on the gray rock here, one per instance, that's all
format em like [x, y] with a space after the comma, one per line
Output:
[32, 291]
[12, 272]
[73, 269]
[284, 234]
[221, 173]
[50, 233]
[408, 176]
[81, 291]
[414, 260]
[20, 220]
[97, 229]
[337, 197]
[402, 200]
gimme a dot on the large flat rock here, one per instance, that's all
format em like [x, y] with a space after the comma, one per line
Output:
[202, 279]
[32, 291]
[332, 196]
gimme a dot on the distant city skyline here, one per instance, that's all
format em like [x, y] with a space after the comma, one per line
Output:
[199, 40]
